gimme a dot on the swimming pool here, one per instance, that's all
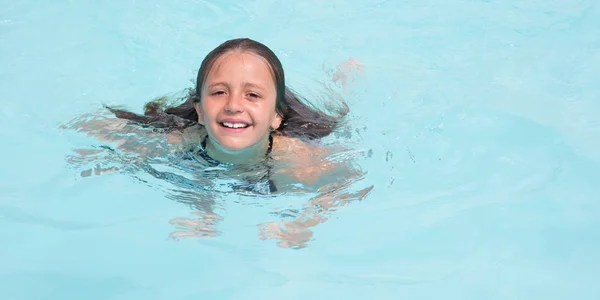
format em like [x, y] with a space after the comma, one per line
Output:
[477, 122]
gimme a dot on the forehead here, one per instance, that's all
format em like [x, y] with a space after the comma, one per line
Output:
[236, 63]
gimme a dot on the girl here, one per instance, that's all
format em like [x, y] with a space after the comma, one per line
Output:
[241, 114]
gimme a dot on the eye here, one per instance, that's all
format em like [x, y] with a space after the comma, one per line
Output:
[217, 93]
[253, 95]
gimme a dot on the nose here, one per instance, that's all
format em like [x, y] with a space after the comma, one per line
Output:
[234, 103]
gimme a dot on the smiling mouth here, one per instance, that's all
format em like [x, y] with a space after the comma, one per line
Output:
[234, 125]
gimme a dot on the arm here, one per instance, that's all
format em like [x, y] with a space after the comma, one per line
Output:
[123, 142]
[296, 233]
[311, 166]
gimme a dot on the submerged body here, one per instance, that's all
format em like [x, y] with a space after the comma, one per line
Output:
[292, 166]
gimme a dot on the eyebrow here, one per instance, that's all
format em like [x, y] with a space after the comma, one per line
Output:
[246, 84]
[252, 85]
[217, 83]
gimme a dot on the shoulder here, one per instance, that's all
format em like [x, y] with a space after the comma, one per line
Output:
[296, 150]
[300, 160]
[192, 135]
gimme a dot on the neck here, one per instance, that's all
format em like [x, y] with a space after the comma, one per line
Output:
[252, 154]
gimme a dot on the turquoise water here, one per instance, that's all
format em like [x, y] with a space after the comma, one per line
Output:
[478, 123]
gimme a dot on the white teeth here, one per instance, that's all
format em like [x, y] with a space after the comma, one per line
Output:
[234, 125]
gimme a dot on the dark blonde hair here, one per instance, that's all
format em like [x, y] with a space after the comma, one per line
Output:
[299, 119]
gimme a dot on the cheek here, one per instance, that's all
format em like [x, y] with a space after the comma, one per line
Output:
[208, 109]
[266, 113]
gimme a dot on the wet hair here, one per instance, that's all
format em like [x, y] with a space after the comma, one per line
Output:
[299, 118]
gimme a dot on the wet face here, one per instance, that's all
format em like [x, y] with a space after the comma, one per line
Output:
[238, 98]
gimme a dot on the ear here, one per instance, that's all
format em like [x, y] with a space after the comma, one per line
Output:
[276, 122]
[198, 108]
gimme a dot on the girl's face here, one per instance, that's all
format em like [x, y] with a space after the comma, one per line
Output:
[237, 105]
